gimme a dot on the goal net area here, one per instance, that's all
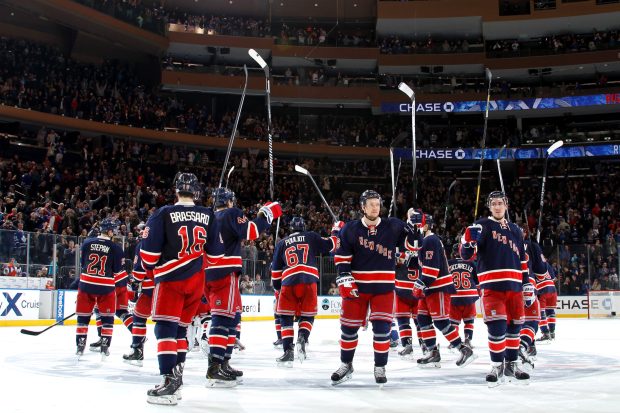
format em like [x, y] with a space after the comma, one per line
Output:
[602, 304]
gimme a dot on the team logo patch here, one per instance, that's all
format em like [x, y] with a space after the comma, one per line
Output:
[145, 233]
[218, 302]
[242, 220]
[429, 255]
[372, 230]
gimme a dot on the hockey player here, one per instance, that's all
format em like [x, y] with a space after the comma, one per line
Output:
[295, 274]
[102, 263]
[463, 303]
[406, 304]
[366, 262]
[502, 272]
[222, 285]
[174, 244]
[142, 280]
[434, 288]
[548, 297]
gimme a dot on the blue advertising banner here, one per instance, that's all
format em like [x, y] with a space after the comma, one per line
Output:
[503, 105]
[509, 153]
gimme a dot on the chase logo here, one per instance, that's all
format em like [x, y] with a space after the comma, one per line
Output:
[325, 304]
[11, 305]
[448, 107]
[459, 154]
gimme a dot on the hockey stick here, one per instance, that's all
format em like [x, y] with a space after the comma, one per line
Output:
[36, 333]
[489, 76]
[551, 149]
[393, 203]
[304, 171]
[230, 171]
[501, 178]
[445, 215]
[234, 131]
[403, 87]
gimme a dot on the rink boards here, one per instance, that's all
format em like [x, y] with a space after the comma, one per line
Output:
[42, 307]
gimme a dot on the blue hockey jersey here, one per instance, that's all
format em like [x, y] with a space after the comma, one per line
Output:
[101, 265]
[406, 274]
[434, 266]
[465, 281]
[294, 258]
[501, 264]
[367, 252]
[234, 227]
[177, 237]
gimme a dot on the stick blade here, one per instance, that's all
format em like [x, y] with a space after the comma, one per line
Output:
[29, 332]
[555, 146]
[403, 87]
[257, 58]
[301, 170]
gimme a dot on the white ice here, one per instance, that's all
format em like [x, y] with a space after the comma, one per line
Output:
[579, 372]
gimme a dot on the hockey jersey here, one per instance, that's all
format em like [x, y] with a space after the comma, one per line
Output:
[294, 258]
[367, 252]
[406, 274]
[548, 285]
[141, 274]
[465, 282]
[175, 239]
[101, 265]
[234, 227]
[501, 264]
[434, 266]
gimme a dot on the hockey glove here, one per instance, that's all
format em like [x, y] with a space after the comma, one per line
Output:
[416, 220]
[271, 211]
[418, 289]
[135, 285]
[346, 285]
[472, 234]
[529, 294]
[337, 227]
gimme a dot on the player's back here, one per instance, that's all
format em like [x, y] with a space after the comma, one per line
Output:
[295, 257]
[101, 261]
[465, 281]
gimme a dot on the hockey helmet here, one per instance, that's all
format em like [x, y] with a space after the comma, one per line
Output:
[186, 184]
[495, 195]
[108, 224]
[369, 194]
[297, 224]
[221, 196]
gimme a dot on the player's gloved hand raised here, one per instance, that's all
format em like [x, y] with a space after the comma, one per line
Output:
[415, 219]
[472, 234]
[346, 285]
[271, 211]
[529, 294]
[419, 289]
[337, 227]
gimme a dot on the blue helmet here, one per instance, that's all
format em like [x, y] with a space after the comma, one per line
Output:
[429, 220]
[297, 224]
[222, 195]
[495, 195]
[186, 184]
[108, 224]
[369, 194]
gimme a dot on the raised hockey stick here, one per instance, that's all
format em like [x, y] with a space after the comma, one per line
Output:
[501, 178]
[230, 171]
[304, 171]
[36, 333]
[445, 215]
[489, 76]
[403, 87]
[234, 131]
[550, 150]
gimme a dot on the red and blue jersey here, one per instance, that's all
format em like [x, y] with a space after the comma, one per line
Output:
[101, 265]
[141, 274]
[501, 264]
[294, 258]
[176, 238]
[406, 274]
[367, 252]
[465, 281]
[234, 227]
[434, 266]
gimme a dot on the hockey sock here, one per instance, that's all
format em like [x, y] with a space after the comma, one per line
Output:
[497, 339]
[278, 325]
[138, 331]
[348, 343]
[469, 328]
[287, 331]
[528, 332]
[234, 333]
[305, 326]
[404, 329]
[125, 317]
[427, 331]
[182, 344]
[512, 341]
[544, 328]
[107, 327]
[381, 331]
[238, 326]
[166, 334]
[81, 330]
[449, 332]
[218, 335]
[393, 332]
[550, 313]
[417, 326]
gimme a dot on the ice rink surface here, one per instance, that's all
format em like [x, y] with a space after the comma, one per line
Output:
[579, 372]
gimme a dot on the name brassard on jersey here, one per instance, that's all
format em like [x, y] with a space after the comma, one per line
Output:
[189, 216]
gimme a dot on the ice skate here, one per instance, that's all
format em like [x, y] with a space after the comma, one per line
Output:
[514, 374]
[239, 345]
[468, 343]
[407, 351]
[301, 349]
[277, 343]
[380, 378]
[165, 392]
[135, 358]
[96, 346]
[496, 376]
[80, 347]
[432, 359]
[218, 377]
[552, 335]
[232, 371]
[466, 357]
[343, 373]
[544, 339]
[105, 348]
[286, 360]
[532, 352]
[527, 363]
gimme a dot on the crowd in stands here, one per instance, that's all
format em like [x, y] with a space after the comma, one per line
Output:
[149, 16]
[395, 44]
